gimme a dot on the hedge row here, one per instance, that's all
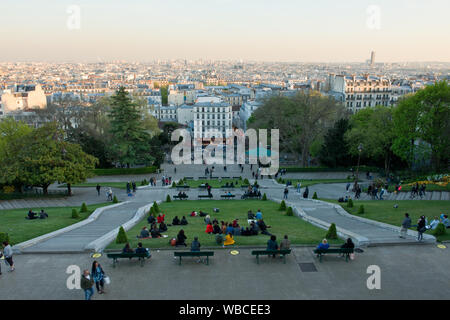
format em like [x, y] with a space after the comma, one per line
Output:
[124, 171]
[324, 169]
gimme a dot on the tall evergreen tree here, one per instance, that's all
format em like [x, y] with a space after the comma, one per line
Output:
[335, 151]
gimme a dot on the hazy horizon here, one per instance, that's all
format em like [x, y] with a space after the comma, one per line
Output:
[325, 31]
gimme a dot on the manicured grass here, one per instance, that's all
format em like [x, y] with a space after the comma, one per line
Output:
[20, 229]
[214, 183]
[429, 187]
[118, 185]
[384, 211]
[124, 171]
[308, 183]
[299, 231]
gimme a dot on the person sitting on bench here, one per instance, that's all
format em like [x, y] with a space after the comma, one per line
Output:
[31, 215]
[155, 232]
[176, 221]
[272, 244]
[323, 245]
[349, 244]
[141, 249]
[195, 247]
[183, 221]
[127, 248]
[43, 214]
[162, 227]
[181, 238]
[285, 244]
[144, 233]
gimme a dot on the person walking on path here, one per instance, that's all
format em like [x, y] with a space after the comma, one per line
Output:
[406, 224]
[421, 228]
[306, 193]
[98, 187]
[299, 186]
[98, 276]
[286, 191]
[87, 284]
[8, 254]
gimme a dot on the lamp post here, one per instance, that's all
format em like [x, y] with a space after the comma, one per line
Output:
[360, 148]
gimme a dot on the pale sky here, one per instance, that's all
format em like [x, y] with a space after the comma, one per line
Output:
[269, 30]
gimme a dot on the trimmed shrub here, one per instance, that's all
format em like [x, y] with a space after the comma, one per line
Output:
[332, 233]
[290, 212]
[315, 196]
[174, 185]
[350, 203]
[264, 198]
[123, 171]
[155, 205]
[361, 209]
[75, 214]
[282, 206]
[84, 208]
[121, 236]
[144, 182]
[4, 237]
[440, 230]
[152, 211]
[115, 200]
[246, 182]
[168, 199]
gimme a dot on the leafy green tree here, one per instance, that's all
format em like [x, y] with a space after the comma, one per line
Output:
[335, 150]
[422, 121]
[130, 138]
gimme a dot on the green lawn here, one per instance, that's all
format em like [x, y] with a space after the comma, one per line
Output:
[20, 229]
[214, 183]
[308, 183]
[384, 211]
[118, 185]
[299, 231]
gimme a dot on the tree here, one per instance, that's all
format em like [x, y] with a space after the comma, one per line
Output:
[374, 129]
[335, 150]
[46, 158]
[301, 119]
[121, 236]
[282, 206]
[424, 117]
[130, 138]
[332, 232]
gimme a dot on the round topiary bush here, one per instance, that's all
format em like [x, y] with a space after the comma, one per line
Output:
[282, 206]
[315, 196]
[75, 214]
[440, 230]
[246, 182]
[332, 233]
[121, 236]
[361, 209]
[290, 212]
[264, 198]
[115, 200]
[84, 207]
[168, 199]
[350, 203]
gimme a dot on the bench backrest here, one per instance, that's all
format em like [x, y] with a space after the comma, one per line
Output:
[254, 252]
[127, 255]
[334, 250]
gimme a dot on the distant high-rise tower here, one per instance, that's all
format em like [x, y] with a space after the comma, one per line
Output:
[372, 58]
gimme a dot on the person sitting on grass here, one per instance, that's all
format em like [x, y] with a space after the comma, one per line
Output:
[176, 221]
[181, 238]
[144, 234]
[162, 227]
[216, 228]
[141, 249]
[209, 228]
[228, 240]
[223, 227]
[193, 214]
[202, 214]
[31, 215]
[250, 215]
[43, 214]
[208, 219]
[237, 230]
[254, 229]
[445, 221]
[160, 218]
[151, 219]
[433, 224]
[155, 232]
[263, 227]
[127, 248]
[229, 229]
[183, 221]
[323, 245]
[259, 215]
[272, 244]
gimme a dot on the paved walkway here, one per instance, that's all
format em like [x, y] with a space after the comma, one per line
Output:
[417, 272]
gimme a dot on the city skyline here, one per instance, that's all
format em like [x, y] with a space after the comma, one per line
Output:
[286, 31]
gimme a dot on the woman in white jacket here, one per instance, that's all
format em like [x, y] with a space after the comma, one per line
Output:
[8, 253]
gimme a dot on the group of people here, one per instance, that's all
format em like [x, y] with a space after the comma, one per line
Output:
[423, 225]
[418, 191]
[376, 192]
[166, 181]
[131, 186]
[33, 215]
[155, 230]
[95, 276]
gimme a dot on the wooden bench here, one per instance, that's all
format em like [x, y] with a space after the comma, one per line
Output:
[120, 255]
[344, 251]
[228, 196]
[180, 197]
[205, 195]
[258, 253]
[206, 254]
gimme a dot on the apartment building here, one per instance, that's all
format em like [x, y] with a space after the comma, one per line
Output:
[210, 118]
[23, 97]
